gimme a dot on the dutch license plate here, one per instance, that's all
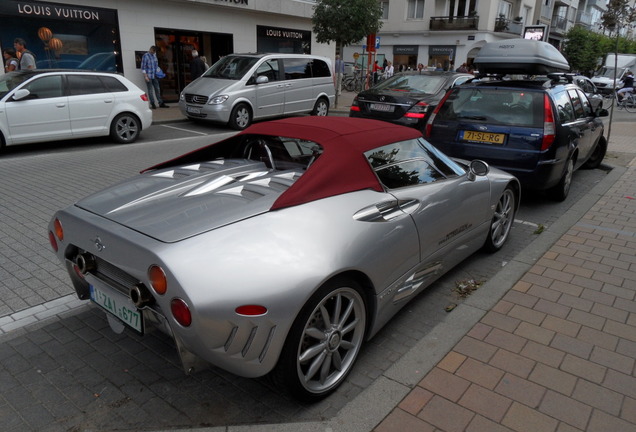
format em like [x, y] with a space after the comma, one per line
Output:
[382, 107]
[193, 110]
[483, 137]
[118, 305]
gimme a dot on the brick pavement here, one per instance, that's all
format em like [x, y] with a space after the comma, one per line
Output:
[557, 352]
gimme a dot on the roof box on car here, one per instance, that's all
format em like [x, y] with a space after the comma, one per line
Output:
[520, 56]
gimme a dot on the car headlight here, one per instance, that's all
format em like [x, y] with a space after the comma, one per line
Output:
[218, 99]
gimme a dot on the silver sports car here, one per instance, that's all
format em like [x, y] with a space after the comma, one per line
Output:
[281, 249]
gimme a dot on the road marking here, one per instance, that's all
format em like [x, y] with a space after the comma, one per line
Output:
[185, 130]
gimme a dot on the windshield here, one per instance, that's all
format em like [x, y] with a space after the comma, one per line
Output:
[608, 72]
[11, 80]
[231, 67]
[413, 83]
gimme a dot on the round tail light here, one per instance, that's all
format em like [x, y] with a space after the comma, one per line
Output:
[181, 312]
[53, 241]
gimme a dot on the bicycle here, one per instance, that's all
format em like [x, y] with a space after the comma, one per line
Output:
[628, 102]
[353, 83]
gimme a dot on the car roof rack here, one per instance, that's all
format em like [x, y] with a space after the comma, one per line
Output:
[557, 77]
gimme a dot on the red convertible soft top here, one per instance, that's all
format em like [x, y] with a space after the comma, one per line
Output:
[342, 166]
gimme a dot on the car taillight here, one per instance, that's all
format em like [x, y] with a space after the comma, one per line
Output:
[53, 241]
[418, 110]
[549, 128]
[59, 231]
[158, 280]
[429, 124]
[354, 105]
[181, 312]
[144, 97]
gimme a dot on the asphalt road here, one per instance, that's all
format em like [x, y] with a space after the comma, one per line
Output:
[73, 373]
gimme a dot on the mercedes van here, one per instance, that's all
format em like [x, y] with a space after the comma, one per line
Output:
[240, 88]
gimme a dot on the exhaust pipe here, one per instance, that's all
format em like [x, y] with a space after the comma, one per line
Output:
[140, 295]
[85, 262]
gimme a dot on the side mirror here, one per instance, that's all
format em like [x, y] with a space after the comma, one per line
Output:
[21, 94]
[262, 79]
[477, 168]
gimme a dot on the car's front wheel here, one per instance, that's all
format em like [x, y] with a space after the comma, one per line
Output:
[241, 117]
[324, 341]
[502, 220]
[125, 128]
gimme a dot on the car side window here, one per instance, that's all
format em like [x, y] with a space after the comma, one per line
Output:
[46, 87]
[113, 84]
[269, 69]
[85, 84]
[320, 68]
[587, 106]
[579, 112]
[409, 163]
[297, 68]
[564, 107]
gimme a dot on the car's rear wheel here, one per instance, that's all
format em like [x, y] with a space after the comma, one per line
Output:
[125, 128]
[241, 117]
[321, 108]
[502, 220]
[324, 341]
[597, 155]
[562, 189]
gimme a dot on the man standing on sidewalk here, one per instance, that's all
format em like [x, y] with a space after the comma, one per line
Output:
[149, 65]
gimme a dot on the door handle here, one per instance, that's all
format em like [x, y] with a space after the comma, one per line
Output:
[60, 105]
[108, 101]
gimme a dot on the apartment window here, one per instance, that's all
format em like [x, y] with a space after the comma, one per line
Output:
[384, 4]
[416, 9]
[505, 9]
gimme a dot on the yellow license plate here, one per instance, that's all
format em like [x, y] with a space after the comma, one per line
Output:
[483, 137]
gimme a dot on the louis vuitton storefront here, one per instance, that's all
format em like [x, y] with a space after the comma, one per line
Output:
[113, 35]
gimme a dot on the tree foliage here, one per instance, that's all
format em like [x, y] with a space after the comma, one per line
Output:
[346, 21]
[618, 15]
[584, 48]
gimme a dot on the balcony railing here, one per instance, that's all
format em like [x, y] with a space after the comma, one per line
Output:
[455, 23]
[504, 25]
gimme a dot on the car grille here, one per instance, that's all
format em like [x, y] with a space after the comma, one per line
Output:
[196, 99]
[114, 276]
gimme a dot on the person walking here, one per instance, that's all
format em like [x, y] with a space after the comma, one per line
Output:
[149, 66]
[26, 57]
[197, 66]
[340, 70]
[388, 70]
[10, 60]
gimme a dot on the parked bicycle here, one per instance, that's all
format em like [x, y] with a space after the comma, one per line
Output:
[354, 82]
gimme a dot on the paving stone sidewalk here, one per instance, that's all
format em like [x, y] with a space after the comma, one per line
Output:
[557, 352]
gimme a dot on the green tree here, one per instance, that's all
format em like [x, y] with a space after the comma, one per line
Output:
[618, 15]
[583, 48]
[346, 21]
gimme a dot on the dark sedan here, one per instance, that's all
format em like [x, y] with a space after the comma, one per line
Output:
[406, 98]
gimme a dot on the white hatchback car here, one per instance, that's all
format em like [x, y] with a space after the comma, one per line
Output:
[47, 105]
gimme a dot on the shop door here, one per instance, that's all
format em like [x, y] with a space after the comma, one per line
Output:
[174, 52]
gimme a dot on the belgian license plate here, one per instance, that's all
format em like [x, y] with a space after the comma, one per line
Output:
[193, 110]
[382, 107]
[118, 305]
[483, 137]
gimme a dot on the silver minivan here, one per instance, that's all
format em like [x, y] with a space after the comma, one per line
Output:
[240, 88]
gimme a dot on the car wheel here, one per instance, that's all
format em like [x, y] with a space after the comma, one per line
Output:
[597, 155]
[324, 341]
[241, 117]
[321, 108]
[561, 190]
[125, 128]
[502, 220]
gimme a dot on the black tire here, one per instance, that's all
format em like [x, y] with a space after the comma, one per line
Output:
[561, 190]
[630, 104]
[125, 128]
[241, 117]
[502, 220]
[321, 108]
[324, 341]
[597, 155]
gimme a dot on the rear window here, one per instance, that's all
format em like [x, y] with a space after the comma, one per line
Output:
[505, 106]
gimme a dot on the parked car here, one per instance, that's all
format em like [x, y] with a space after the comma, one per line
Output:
[538, 131]
[240, 88]
[46, 105]
[281, 249]
[585, 83]
[406, 98]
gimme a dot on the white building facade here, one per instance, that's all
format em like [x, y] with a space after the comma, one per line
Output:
[114, 34]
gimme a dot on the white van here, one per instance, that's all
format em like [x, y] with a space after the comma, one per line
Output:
[240, 88]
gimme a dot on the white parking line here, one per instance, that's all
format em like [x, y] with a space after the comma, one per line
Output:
[185, 130]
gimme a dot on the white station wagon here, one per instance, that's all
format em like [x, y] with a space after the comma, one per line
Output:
[47, 105]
